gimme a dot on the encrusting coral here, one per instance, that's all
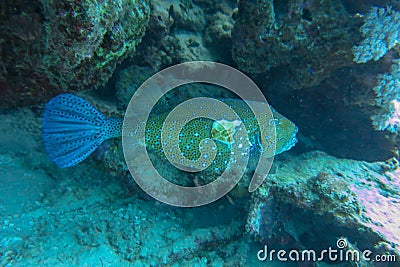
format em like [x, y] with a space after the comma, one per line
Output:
[304, 40]
[54, 46]
[85, 40]
[308, 194]
[388, 100]
[381, 34]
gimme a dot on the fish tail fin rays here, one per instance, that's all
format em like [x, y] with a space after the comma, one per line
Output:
[72, 129]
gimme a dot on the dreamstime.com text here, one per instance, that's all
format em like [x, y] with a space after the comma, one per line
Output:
[340, 254]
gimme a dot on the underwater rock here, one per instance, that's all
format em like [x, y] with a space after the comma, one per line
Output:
[219, 29]
[313, 199]
[248, 52]
[172, 36]
[218, 32]
[185, 33]
[191, 47]
[189, 16]
[22, 76]
[306, 40]
[65, 45]
[86, 40]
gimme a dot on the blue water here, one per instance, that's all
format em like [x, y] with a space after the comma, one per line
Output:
[69, 198]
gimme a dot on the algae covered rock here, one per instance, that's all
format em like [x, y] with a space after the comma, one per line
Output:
[313, 199]
[86, 40]
[306, 40]
[187, 31]
[54, 46]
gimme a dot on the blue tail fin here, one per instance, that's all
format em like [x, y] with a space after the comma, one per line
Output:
[73, 129]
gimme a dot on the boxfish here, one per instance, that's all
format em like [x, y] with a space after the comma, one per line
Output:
[72, 129]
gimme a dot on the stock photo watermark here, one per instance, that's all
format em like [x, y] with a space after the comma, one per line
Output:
[341, 253]
[224, 116]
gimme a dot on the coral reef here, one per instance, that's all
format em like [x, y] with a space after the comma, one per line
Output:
[388, 100]
[381, 33]
[86, 40]
[304, 40]
[171, 38]
[351, 96]
[217, 34]
[308, 194]
[185, 31]
[65, 45]
[94, 214]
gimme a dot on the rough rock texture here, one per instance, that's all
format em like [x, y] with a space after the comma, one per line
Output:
[181, 31]
[311, 200]
[65, 45]
[305, 39]
[170, 37]
[219, 27]
[22, 75]
[85, 41]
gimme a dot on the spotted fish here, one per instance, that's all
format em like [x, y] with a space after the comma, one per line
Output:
[73, 129]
